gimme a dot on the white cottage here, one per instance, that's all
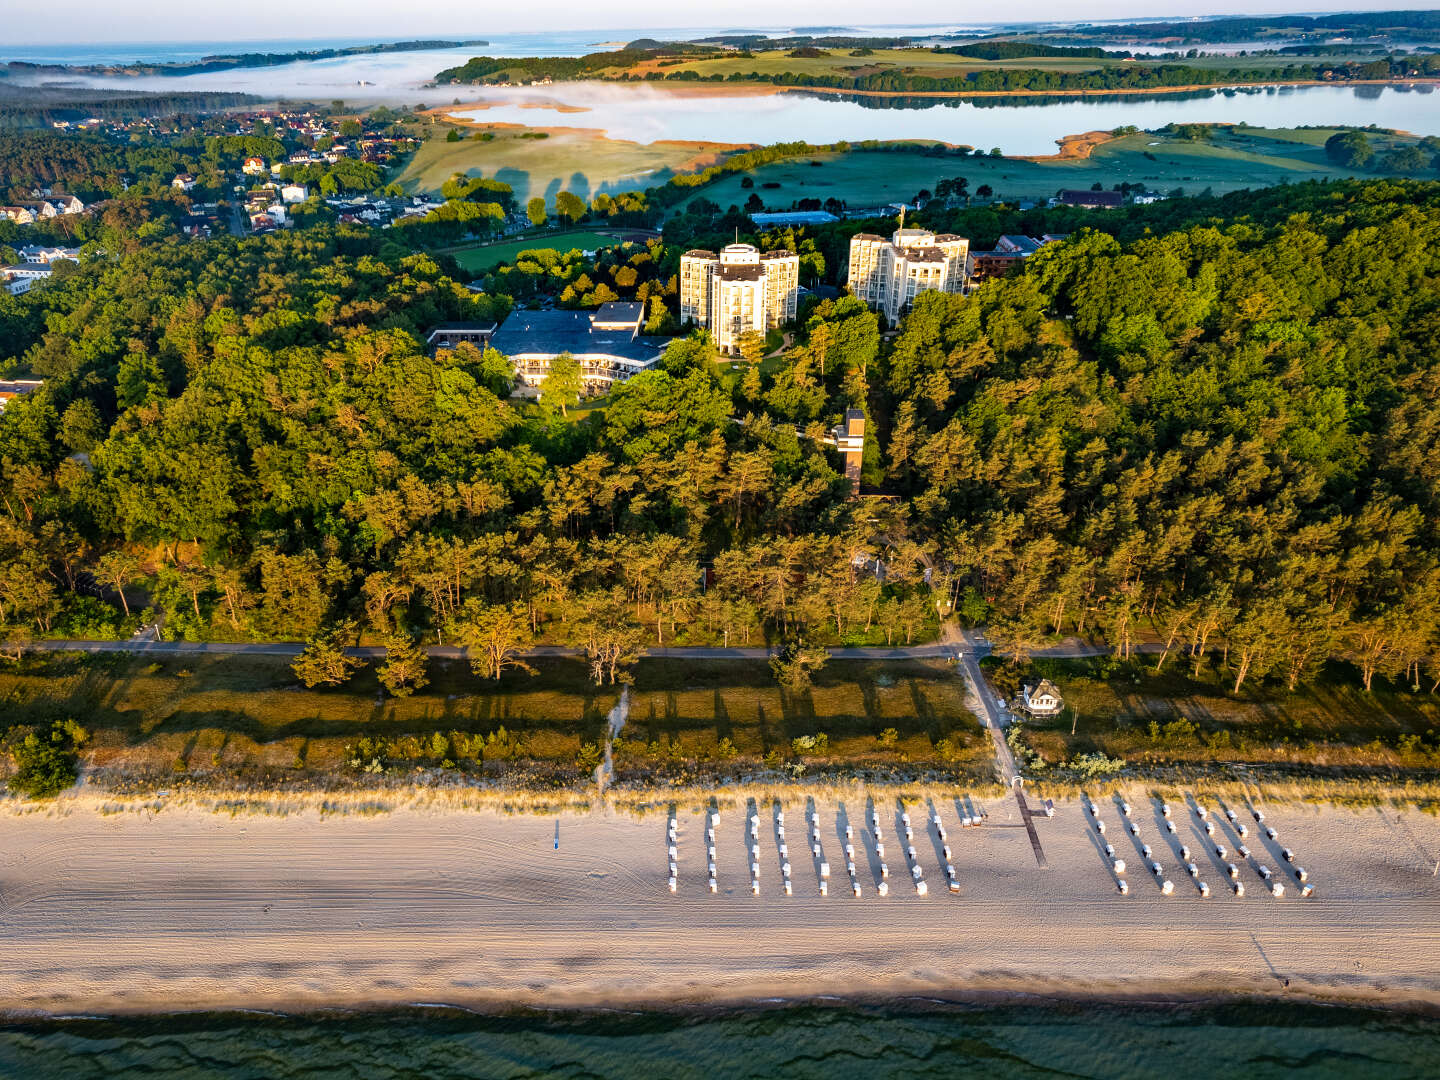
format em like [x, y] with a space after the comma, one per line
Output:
[1042, 700]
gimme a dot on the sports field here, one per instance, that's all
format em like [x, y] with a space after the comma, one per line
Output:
[482, 257]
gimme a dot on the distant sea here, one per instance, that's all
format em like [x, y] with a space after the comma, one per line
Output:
[548, 43]
[1256, 1041]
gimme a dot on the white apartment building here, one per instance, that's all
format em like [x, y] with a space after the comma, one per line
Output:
[738, 290]
[889, 274]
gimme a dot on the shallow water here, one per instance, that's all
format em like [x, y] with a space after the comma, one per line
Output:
[1254, 1040]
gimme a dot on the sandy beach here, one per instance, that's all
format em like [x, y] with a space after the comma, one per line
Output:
[134, 910]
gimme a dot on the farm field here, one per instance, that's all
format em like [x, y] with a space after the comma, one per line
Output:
[1234, 159]
[246, 715]
[923, 62]
[582, 162]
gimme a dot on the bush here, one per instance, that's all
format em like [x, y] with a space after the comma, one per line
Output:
[817, 743]
[46, 765]
[1094, 766]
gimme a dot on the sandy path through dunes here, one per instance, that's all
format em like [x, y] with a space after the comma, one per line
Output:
[184, 909]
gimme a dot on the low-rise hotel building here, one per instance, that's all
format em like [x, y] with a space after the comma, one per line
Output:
[739, 290]
[889, 274]
[607, 342]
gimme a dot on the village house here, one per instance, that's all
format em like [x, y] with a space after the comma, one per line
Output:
[1042, 700]
[44, 256]
[183, 182]
[13, 388]
[294, 193]
[254, 166]
[1091, 200]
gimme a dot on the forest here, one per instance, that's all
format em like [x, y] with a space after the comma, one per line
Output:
[1212, 424]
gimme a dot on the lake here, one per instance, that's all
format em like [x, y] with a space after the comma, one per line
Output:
[645, 114]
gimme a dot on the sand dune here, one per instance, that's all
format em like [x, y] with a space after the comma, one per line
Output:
[185, 909]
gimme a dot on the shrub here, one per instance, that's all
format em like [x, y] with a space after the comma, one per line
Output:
[46, 765]
[1093, 766]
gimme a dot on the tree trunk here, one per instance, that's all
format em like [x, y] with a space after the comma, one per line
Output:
[123, 602]
[1243, 671]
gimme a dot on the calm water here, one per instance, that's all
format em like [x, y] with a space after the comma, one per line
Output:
[645, 114]
[1255, 1041]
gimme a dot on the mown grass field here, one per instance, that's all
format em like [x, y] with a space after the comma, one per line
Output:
[481, 257]
[1329, 721]
[585, 163]
[1235, 158]
[242, 714]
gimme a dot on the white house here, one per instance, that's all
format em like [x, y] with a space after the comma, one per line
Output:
[44, 256]
[254, 166]
[294, 193]
[183, 182]
[26, 271]
[13, 388]
[1042, 700]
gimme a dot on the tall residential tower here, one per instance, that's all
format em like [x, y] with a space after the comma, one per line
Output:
[738, 290]
[889, 274]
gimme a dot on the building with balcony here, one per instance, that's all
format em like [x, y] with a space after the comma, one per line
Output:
[740, 290]
[607, 342]
[889, 274]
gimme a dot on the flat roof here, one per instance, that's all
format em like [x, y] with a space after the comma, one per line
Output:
[550, 333]
[626, 312]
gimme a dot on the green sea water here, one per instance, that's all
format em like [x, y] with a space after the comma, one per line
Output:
[910, 1039]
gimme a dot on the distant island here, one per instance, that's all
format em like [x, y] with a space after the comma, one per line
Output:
[229, 61]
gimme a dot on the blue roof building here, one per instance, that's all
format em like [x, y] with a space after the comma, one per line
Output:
[607, 342]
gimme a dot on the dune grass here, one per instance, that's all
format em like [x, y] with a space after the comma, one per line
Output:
[1176, 717]
[247, 714]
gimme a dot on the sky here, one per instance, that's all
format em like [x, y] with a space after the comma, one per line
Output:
[186, 20]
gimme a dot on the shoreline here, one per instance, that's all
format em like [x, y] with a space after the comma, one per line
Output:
[1116, 92]
[762, 88]
[128, 910]
[504, 1006]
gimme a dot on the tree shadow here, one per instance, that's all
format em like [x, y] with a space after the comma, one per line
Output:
[724, 729]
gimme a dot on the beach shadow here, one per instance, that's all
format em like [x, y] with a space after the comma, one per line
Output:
[940, 846]
[873, 845]
[814, 839]
[1143, 850]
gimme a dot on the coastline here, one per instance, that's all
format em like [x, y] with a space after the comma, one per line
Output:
[1117, 92]
[127, 908]
[762, 89]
